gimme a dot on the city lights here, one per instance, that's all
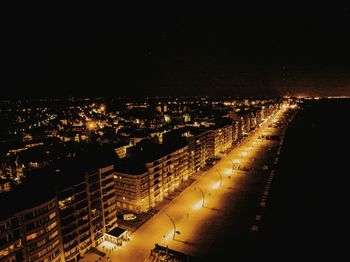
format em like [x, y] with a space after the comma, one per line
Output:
[161, 155]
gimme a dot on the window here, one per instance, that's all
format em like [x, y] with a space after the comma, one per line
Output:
[6, 251]
[34, 235]
[51, 226]
[52, 215]
[53, 235]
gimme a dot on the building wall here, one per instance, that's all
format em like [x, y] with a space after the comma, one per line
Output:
[32, 235]
[74, 219]
[101, 201]
[219, 140]
[108, 199]
[138, 193]
[166, 174]
[132, 192]
[197, 152]
[87, 210]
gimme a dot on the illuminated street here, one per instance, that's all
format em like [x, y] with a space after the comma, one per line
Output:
[219, 134]
[200, 228]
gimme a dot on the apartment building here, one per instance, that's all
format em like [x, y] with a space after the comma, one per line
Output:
[87, 207]
[74, 221]
[197, 141]
[132, 186]
[68, 209]
[151, 174]
[220, 138]
[236, 131]
[29, 228]
[197, 149]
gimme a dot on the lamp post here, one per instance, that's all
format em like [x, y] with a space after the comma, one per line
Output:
[233, 164]
[195, 188]
[220, 177]
[172, 221]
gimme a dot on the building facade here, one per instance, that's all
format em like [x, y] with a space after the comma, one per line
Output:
[139, 190]
[32, 235]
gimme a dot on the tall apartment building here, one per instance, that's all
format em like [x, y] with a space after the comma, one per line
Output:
[150, 175]
[75, 223]
[236, 131]
[87, 207]
[220, 138]
[197, 149]
[29, 226]
[65, 211]
[197, 141]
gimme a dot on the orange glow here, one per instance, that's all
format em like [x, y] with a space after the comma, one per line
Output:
[197, 205]
[102, 108]
[216, 185]
[226, 171]
[91, 125]
[168, 236]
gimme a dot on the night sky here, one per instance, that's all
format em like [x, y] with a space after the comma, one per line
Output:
[286, 51]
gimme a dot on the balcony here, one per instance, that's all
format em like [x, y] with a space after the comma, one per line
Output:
[82, 222]
[82, 214]
[67, 211]
[69, 238]
[84, 230]
[97, 220]
[67, 221]
[81, 197]
[72, 255]
[85, 237]
[82, 205]
[98, 235]
[69, 229]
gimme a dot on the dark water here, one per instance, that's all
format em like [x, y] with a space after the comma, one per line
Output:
[307, 212]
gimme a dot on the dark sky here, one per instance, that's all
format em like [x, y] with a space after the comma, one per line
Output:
[226, 51]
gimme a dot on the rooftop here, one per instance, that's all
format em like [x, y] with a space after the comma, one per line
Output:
[144, 152]
[117, 232]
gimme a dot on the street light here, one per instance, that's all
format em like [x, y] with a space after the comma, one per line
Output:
[233, 164]
[195, 188]
[220, 177]
[172, 221]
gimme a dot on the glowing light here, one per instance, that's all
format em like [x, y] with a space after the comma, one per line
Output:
[91, 125]
[226, 171]
[168, 236]
[197, 205]
[216, 185]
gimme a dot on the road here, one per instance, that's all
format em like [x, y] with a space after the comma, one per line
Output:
[226, 213]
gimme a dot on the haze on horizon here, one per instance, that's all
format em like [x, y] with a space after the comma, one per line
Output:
[210, 53]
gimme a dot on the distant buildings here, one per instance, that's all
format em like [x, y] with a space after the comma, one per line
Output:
[66, 172]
